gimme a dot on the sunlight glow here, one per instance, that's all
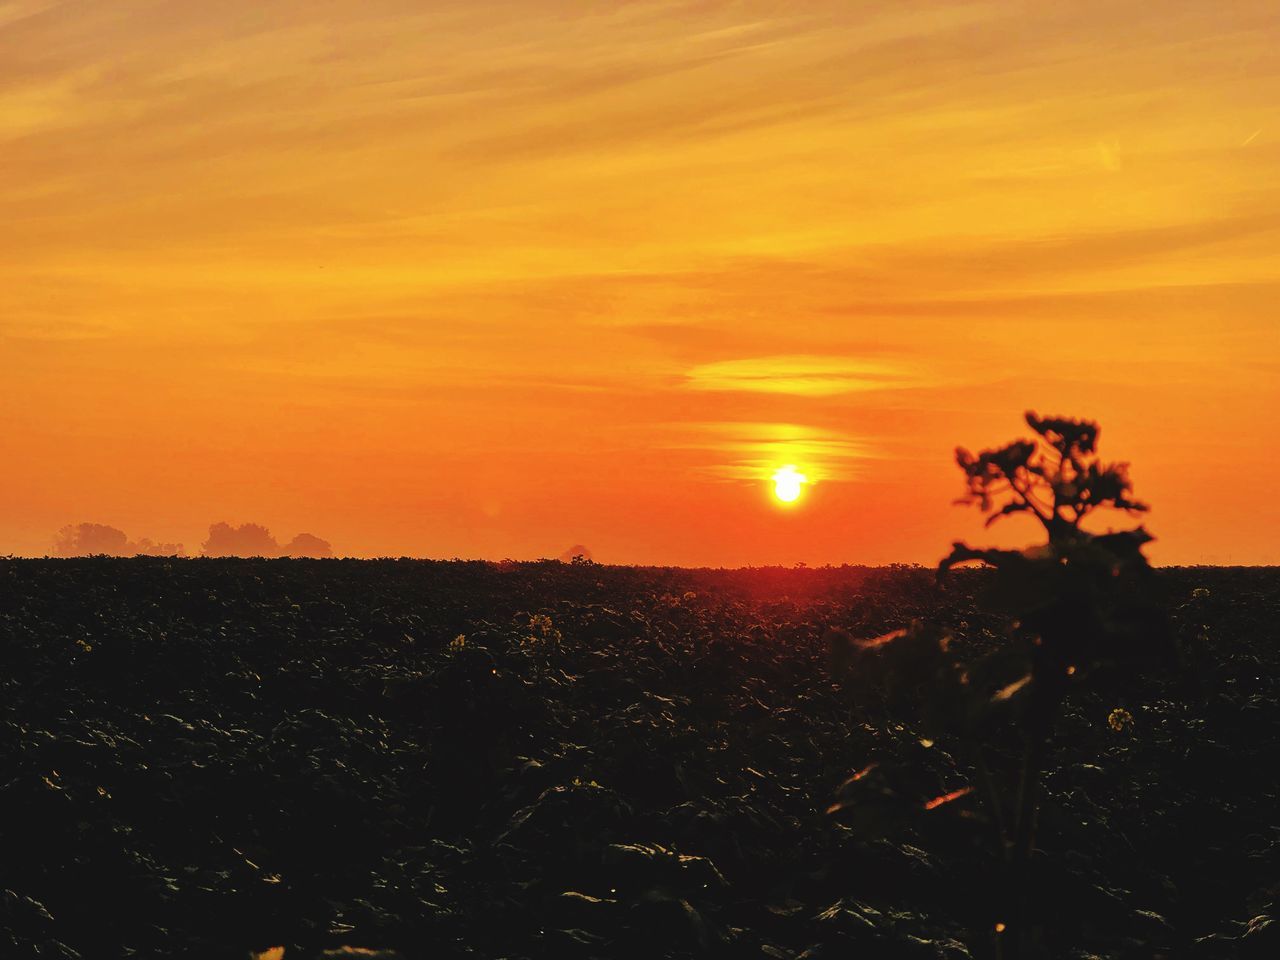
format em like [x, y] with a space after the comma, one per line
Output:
[787, 483]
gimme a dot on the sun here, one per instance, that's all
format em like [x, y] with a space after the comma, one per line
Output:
[787, 483]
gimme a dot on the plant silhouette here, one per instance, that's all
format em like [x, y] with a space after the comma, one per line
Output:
[1075, 608]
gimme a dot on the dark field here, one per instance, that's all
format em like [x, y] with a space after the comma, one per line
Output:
[206, 757]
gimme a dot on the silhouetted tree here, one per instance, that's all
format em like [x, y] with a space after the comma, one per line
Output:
[308, 545]
[90, 539]
[99, 539]
[1075, 607]
[576, 554]
[246, 540]
[255, 540]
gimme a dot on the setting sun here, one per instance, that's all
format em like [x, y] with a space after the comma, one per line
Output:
[787, 483]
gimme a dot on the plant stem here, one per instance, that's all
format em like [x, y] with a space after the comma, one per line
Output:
[993, 800]
[1015, 940]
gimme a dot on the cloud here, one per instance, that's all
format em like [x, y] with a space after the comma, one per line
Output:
[810, 376]
[98, 539]
[753, 451]
[255, 540]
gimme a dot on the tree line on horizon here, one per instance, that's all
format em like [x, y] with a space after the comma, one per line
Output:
[225, 540]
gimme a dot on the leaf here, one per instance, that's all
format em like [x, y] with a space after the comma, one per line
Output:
[963, 553]
[852, 780]
[881, 640]
[948, 798]
[1010, 690]
[1127, 545]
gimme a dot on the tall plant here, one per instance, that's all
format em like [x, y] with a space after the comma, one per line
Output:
[1074, 606]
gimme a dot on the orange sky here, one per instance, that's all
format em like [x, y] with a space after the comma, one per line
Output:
[490, 279]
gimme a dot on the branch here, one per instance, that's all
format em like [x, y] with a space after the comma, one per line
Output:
[1032, 505]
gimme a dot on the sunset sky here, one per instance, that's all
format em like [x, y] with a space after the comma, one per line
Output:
[491, 279]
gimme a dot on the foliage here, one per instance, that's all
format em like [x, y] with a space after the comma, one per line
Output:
[1050, 479]
[252, 754]
[1074, 609]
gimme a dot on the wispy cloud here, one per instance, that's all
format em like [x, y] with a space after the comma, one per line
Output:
[753, 451]
[809, 376]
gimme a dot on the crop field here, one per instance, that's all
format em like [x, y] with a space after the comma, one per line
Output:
[215, 758]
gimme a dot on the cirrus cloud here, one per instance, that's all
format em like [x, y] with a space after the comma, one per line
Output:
[751, 451]
[801, 374]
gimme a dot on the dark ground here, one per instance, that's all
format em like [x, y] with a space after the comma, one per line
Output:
[203, 757]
